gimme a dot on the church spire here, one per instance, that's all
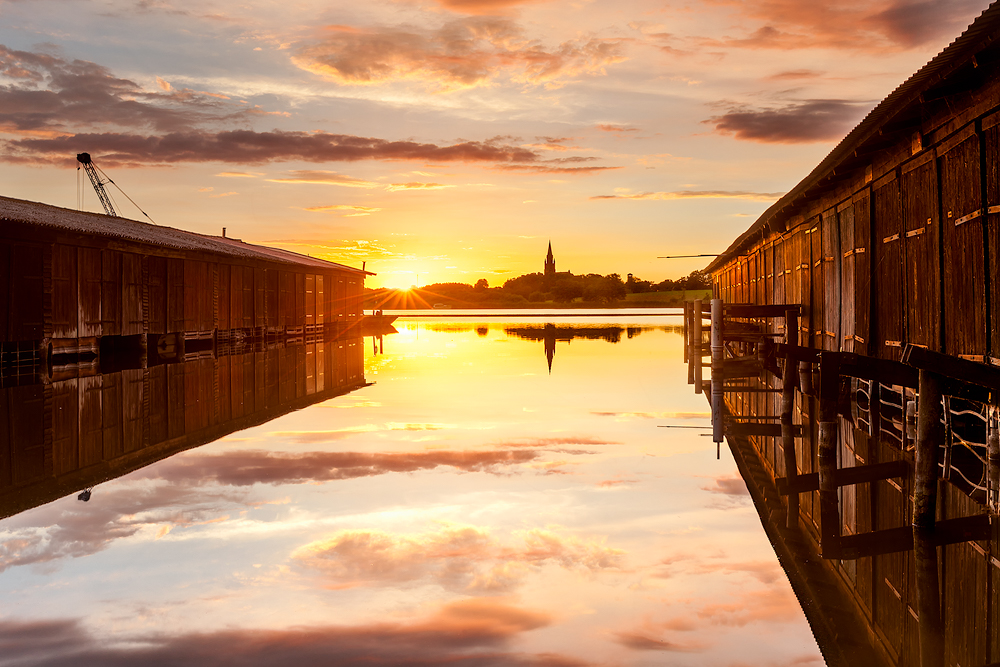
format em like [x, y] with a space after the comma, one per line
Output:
[550, 262]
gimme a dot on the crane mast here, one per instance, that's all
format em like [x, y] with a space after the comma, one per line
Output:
[95, 179]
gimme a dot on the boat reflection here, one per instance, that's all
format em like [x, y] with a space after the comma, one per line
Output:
[72, 427]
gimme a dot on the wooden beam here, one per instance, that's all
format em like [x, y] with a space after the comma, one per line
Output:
[753, 310]
[894, 540]
[745, 429]
[952, 367]
[845, 477]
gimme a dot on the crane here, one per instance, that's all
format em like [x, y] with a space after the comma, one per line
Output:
[95, 178]
[98, 179]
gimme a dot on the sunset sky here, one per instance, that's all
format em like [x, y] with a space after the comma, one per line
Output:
[450, 140]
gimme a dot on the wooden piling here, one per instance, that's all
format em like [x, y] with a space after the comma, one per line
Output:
[696, 355]
[689, 348]
[993, 449]
[687, 332]
[829, 503]
[788, 382]
[930, 435]
[718, 359]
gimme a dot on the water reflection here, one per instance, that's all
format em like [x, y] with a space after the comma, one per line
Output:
[74, 426]
[465, 509]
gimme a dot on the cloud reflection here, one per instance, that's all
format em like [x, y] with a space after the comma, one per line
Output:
[464, 559]
[465, 633]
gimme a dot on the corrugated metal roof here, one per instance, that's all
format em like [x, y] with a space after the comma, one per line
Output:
[982, 33]
[81, 222]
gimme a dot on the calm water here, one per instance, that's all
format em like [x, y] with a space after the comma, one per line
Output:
[468, 507]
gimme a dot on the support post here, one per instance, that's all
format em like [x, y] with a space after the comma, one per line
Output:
[687, 332]
[993, 449]
[689, 349]
[696, 356]
[788, 382]
[829, 501]
[718, 360]
[930, 435]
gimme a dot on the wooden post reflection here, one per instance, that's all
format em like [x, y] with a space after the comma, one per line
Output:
[829, 505]
[788, 383]
[696, 350]
[718, 359]
[930, 434]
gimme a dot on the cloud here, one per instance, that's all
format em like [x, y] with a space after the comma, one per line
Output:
[913, 24]
[641, 641]
[320, 177]
[766, 571]
[697, 194]
[483, 7]
[794, 123]
[462, 559]
[70, 529]
[652, 415]
[616, 129]
[463, 53]
[416, 186]
[342, 207]
[465, 633]
[730, 486]
[771, 605]
[46, 93]
[795, 75]
[250, 147]
[247, 467]
[873, 27]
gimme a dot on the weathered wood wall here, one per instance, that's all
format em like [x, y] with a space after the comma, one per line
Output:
[70, 291]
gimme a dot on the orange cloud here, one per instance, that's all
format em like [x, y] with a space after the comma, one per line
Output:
[886, 25]
[465, 632]
[458, 558]
[416, 186]
[342, 207]
[483, 7]
[319, 177]
[697, 194]
[461, 54]
[730, 486]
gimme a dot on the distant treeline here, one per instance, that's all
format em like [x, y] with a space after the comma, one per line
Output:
[538, 289]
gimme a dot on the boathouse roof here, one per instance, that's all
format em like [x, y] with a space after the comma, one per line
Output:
[960, 67]
[34, 214]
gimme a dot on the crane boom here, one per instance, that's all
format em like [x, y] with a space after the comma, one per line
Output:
[95, 179]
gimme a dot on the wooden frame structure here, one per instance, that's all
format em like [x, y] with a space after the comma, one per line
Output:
[854, 340]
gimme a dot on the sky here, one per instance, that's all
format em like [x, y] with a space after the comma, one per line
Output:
[468, 507]
[450, 140]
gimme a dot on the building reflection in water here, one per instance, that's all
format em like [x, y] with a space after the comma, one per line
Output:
[68, 428]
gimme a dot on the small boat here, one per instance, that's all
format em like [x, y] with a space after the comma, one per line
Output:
[378, 318]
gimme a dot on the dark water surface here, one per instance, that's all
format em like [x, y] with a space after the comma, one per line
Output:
[471, 506]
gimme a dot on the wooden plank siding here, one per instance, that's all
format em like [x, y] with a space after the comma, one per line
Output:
[56, 285]
[893, 239]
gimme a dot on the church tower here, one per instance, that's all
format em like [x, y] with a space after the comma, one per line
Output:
[550, 262]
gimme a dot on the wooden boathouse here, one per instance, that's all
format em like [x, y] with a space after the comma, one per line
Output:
[69, 279]
[854, 341]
